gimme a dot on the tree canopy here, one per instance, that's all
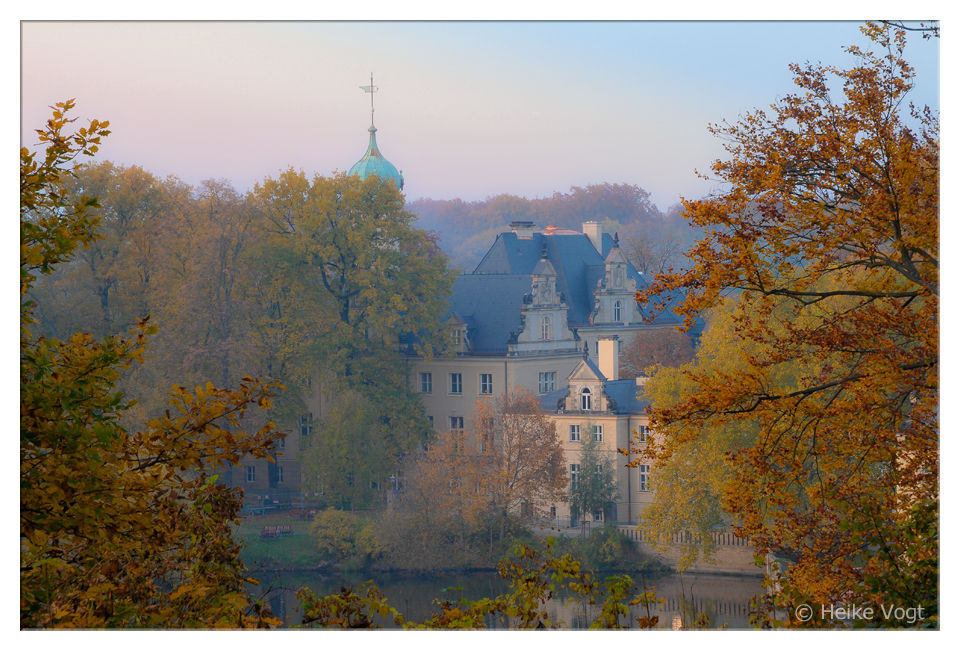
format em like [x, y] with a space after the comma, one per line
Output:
[830, 211]
[117, 527]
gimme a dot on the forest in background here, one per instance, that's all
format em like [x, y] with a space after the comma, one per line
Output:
[651, 238]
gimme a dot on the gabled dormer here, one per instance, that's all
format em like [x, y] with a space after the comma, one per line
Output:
[458, 333]
[543, 314]
[615, 294]
[586, 384]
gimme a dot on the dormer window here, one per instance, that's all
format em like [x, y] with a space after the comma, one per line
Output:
[546, 329]
[585, 399]
[457, 337]
[617, 308]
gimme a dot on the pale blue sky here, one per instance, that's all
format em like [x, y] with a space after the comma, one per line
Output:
[467, 109]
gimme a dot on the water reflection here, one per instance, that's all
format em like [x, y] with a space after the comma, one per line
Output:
[723, 599]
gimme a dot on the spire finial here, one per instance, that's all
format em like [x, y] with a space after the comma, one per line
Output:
[370, 89]
[616, 240]
[543, 250]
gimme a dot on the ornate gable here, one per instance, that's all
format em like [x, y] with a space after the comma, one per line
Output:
[615, 295]
[586, 384]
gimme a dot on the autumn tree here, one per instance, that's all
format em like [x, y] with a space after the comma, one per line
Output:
[831, 212]
[522, 469]
[354, 245]
[666, 347]
[347, 459]
[690, 475]
[651, 254]
[596, 485]
[117, 527]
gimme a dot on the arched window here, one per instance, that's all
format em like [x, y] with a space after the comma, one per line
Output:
[545, 330]
[585, 399]
[616, 310]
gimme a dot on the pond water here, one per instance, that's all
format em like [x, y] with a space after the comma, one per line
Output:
[724, 599]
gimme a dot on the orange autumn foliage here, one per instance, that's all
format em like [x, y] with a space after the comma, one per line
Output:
[830, 212]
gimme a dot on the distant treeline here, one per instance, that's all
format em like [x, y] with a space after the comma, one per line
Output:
[467, 229]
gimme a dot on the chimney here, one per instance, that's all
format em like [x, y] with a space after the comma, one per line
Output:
[609, 362]
[522, 229]
[592, 230]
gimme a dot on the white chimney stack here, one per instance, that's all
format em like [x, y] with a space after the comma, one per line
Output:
[592, 230]
[609, 353]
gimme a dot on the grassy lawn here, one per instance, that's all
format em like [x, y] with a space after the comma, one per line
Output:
[297, 550]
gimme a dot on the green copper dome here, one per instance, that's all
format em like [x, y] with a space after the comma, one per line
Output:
[374, 163]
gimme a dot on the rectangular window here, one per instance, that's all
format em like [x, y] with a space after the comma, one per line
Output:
[457, 339]
[281, 443]
[456, 422]
[619, 348]
[305, 427]
[486, 383]
[596, 348]
[553, 511]
[574, 433]
[456, 383]
[574, 474]
[598, 515]
[598, 433]
[279, 474]
[548, 382]
[644, 484]
[251, 473]
[426, 383]
[350, 480]
[430, 418]
[642, 433]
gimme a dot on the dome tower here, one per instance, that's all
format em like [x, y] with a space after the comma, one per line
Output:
[373, 161]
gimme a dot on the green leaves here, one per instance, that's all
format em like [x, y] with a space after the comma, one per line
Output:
[118, 527]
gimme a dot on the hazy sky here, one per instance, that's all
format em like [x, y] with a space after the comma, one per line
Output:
[468, 109]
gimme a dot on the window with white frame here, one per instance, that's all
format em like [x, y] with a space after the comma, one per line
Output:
[305, 424]
[598, 515]
[644, 484]
[574, 474]
[279, 474]
[456, 423]
[282, 443]
[553, 511]
[617, 309]
[575, 433]
[251, 473]
[457, 337]
[546, 328]
[426, 383]
[585, 401]
[486, 383]
[548, 381]
[598, 433]
[642, 433]
[456, 383]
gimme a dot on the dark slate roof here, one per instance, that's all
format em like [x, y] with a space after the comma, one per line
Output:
[624, 392]
[490, 306]
[578, 264]
[548, 401]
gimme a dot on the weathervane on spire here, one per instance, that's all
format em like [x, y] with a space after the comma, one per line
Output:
[370, 89]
